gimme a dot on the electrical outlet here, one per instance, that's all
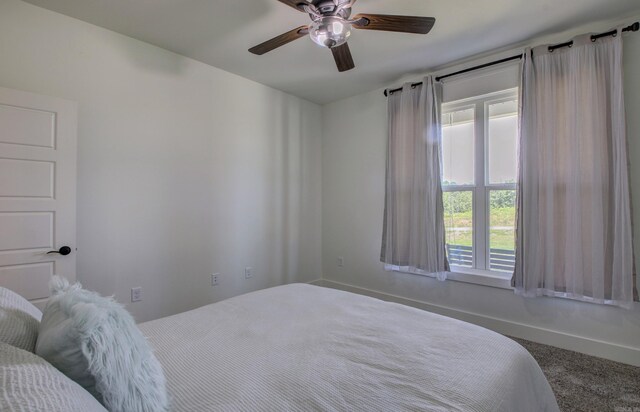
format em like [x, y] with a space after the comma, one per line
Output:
[340, 261]
[215, 279]
[136, 294]
[248, 273]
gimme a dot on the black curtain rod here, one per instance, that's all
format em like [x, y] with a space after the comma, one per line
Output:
[482, 66]
[634, 27]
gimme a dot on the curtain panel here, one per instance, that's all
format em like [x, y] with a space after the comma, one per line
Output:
[413, 236]
[574, 234]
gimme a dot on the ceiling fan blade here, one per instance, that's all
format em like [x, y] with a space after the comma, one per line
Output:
[386, 22]
[280, 40]
[293, 3]
[343, 58]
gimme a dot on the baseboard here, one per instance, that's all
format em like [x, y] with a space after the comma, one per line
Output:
[601, 349]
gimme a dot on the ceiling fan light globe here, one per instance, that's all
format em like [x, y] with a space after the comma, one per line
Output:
[330, 31]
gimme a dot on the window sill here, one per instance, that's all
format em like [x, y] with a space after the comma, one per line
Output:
[463, 274]
[500, 280]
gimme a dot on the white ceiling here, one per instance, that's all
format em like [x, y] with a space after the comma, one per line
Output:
[219, 32]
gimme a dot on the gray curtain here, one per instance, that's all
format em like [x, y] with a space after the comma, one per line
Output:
[574, 211]
[413, 231]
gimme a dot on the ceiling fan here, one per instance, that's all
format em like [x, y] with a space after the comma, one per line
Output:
[331, 27]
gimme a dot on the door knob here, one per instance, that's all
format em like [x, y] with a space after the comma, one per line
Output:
[64, 251]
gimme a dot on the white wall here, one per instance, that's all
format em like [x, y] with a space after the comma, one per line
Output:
[353, 167]
[183, 169]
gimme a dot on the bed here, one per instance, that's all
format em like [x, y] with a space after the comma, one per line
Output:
[302, 348]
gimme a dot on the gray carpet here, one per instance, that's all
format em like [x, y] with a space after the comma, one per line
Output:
[586, 383]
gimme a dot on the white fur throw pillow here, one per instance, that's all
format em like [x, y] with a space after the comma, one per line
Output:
[95, 341]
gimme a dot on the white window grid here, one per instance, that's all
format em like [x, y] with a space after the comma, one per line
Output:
[481, 188]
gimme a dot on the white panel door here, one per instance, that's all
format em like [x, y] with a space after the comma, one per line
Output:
[37, 192]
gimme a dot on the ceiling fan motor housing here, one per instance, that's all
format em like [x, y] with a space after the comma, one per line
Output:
[326, 7]
[323, 8]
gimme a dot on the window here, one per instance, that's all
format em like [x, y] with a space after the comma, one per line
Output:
[479, 137]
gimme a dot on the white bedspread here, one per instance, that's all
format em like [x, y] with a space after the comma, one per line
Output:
[307, 348]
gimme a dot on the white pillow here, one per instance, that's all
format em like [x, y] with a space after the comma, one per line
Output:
[19, 320]
[29, 384]
[95, 341]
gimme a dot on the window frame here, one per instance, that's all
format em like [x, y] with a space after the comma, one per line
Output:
[481, 190]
